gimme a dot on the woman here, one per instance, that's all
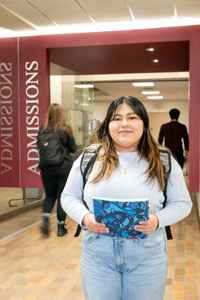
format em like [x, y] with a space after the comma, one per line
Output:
[128, 166]
[54, 178]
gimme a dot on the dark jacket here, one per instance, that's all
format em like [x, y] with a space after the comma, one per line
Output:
[174, 132]
[69, 145]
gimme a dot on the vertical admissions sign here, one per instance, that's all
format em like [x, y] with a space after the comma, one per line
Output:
[34, 101]
[9, 114]
[24, 99]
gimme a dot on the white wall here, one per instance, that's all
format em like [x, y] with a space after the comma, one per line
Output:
[55, 89]
[100, 109]
[165, 106]
[155, 122]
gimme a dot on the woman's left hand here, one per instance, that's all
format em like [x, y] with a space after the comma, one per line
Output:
[149, 226]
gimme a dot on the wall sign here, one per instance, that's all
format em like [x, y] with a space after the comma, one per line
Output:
[9, 114]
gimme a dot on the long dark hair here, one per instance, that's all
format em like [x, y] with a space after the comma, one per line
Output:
[147, 146]
[56, 116]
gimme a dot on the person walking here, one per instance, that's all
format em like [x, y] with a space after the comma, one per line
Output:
[54, 177]
[173, 133]
[128, 166]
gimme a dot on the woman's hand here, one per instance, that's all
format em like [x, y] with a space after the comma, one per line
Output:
[149, 226]
[93, 226]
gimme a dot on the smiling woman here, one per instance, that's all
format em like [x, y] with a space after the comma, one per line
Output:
[126, 129]
[128, 166]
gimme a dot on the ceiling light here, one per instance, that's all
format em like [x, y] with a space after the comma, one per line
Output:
[155, 97]
[104, 26]
[83, 86]
[155, 60]
[143, 83]
[151, 93]
[150, 49]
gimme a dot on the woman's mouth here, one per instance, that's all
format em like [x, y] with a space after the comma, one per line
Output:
[125, 132]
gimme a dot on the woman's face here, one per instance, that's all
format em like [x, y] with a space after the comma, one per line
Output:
[126, 129]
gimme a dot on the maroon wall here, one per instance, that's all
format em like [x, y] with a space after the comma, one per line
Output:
[9, 114]
[194, 110]
[34, 88]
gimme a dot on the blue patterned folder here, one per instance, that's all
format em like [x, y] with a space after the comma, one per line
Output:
[121, 216]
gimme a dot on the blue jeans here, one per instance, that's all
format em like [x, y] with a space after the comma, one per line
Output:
[124, 269]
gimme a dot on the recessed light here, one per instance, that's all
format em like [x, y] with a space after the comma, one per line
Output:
[151, 93]
[150, 49]
[83, 86]
[143, 83]
[155, 97]
[155, 60]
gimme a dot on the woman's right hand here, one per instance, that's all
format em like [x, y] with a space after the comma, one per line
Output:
[93, 226]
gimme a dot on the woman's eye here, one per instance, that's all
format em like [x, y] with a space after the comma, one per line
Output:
[132, 118]
[117, 119]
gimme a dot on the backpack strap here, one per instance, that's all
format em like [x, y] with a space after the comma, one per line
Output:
[87, 162]
[166, 162]
[166, 159]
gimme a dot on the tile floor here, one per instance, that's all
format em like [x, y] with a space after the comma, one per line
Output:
[33, 267]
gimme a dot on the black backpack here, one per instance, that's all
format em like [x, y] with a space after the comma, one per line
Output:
[88, 160]
[50, 149]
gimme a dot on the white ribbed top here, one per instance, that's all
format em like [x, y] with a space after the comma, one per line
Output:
[128, 186]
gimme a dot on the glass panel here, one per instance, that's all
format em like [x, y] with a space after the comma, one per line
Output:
[77, 99]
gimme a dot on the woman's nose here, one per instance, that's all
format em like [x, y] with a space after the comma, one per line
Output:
[125, 122]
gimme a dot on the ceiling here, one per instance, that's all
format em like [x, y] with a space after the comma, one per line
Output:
[36, 16]
[170, 90]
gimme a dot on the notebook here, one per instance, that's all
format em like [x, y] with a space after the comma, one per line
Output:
[121, 216]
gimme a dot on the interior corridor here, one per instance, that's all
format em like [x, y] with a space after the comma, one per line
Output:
[33, 267]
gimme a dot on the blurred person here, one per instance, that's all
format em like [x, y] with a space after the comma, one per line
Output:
[128, 166]
[54, 177]
[173, 133]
